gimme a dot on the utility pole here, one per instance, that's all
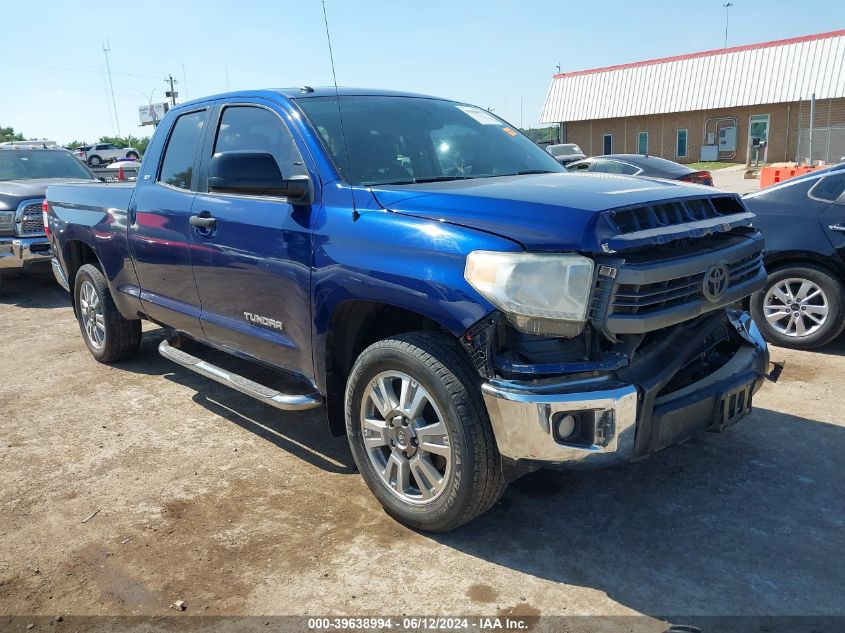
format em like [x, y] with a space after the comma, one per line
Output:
[106, 49]
[727, 6]
[171, 94]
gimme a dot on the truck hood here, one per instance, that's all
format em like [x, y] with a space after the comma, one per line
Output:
[550, 212]
[13, 191]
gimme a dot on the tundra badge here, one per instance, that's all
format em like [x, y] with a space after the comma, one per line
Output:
[263, 320]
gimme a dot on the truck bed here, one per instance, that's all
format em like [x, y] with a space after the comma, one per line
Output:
[97, 197]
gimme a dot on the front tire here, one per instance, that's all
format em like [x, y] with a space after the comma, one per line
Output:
[800, 307]
[419, 432]
[132, 155]
[108, 335]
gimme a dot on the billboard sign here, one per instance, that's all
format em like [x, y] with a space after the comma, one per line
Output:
[153, 113]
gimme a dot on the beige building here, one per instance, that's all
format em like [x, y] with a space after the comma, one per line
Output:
[706, 106]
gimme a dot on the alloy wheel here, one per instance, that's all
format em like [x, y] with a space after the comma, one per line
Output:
[796, 307]
[91, 311]
[405, 437]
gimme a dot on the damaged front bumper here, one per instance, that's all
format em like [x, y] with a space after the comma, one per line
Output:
[624, 415]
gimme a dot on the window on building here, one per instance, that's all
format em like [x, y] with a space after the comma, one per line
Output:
[642, 143]
[178, 164]
[607, 144]
[681, 144]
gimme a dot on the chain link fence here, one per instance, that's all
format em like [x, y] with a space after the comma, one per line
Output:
[828, 131]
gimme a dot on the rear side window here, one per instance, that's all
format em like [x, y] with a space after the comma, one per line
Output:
[614, 167]
[177, 167]
[248, 128]
[829, 188]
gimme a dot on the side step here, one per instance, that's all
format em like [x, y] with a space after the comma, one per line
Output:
[267, 395]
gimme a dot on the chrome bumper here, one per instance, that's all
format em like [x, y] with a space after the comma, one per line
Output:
[523, 423]
[19, 253]
[524, 416]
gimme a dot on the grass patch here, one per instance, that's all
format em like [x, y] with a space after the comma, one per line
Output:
[710, 166]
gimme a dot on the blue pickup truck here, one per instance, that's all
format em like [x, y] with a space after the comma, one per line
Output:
[464, 310]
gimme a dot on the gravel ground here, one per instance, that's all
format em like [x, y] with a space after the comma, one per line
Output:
[205, 496]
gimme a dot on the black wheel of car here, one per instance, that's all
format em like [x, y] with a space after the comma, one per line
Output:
[800, 307]
[419, 431]
[95, 161]
[108, 335]
[132, 155]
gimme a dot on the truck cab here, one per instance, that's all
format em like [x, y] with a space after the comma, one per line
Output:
[463, 308]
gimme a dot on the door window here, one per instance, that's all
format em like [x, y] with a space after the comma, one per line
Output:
[249, 128]
[608, 144]
[681, 144]
[614, 167]
[829, 188]
[642, 143]
[177, 167]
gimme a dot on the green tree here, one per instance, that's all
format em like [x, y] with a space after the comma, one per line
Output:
[9, 134]
[75, 144]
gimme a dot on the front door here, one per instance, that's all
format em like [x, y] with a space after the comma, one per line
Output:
[252, 268]
[159, 232]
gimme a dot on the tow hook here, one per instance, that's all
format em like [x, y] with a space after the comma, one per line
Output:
[774, 374]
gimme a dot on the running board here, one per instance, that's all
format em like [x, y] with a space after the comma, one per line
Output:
[267, 395]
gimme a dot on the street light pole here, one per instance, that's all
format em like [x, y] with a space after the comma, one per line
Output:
[727, 6]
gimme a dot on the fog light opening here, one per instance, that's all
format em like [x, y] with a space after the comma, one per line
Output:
[566, 425]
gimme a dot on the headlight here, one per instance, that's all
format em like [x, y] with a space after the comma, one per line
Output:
[539, 293]
[7, 222]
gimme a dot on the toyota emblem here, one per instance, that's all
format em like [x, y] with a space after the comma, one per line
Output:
[715, 282]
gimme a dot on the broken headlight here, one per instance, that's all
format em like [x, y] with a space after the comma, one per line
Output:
[544, 294]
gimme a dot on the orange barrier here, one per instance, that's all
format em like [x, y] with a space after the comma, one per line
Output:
[778, 173]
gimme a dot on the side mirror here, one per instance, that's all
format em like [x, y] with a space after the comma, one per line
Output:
[256, 174]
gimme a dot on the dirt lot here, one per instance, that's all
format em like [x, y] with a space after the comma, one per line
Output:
[205, 496]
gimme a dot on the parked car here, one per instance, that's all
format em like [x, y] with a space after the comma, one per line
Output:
[466, 309]
[565, 153]
[803, 221]
[25, 173]
[642, 165]
[103, 153]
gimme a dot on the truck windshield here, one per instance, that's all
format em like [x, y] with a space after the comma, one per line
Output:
[40, 163]
[404, 140]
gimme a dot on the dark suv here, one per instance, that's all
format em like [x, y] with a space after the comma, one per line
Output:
[25, 173]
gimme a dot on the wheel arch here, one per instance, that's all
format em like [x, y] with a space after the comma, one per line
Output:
[784, 259]
[355, 325]
[76, 254]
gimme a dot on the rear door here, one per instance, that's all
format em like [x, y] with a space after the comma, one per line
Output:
[831, 189]
[160, 233]
[252, 268]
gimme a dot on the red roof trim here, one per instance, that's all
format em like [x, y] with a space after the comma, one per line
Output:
[718, 51]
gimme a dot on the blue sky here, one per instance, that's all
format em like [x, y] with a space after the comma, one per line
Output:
[495, 54]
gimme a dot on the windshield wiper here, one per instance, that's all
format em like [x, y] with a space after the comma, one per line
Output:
[528, 172]
[416, 180]
[444, 178]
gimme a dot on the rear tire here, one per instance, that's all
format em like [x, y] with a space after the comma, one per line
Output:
[132, 155]
[109, 336]
[428, 453]
[95, 161]
[800, 307]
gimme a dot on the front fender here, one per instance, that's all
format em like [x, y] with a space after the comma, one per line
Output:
[407, 262]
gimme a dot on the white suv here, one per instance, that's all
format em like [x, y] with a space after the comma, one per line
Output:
[101, 153]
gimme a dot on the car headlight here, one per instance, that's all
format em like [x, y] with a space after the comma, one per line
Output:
[7, 222]
[545, 294]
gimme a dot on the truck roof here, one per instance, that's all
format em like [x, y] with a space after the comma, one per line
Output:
[305, 92]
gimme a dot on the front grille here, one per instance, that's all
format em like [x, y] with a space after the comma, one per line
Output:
[655, 288]
[634, 219]
[650, 298]
[30, 220]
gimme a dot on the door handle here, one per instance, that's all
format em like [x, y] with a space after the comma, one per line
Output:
[837, 227]
[203, 220]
